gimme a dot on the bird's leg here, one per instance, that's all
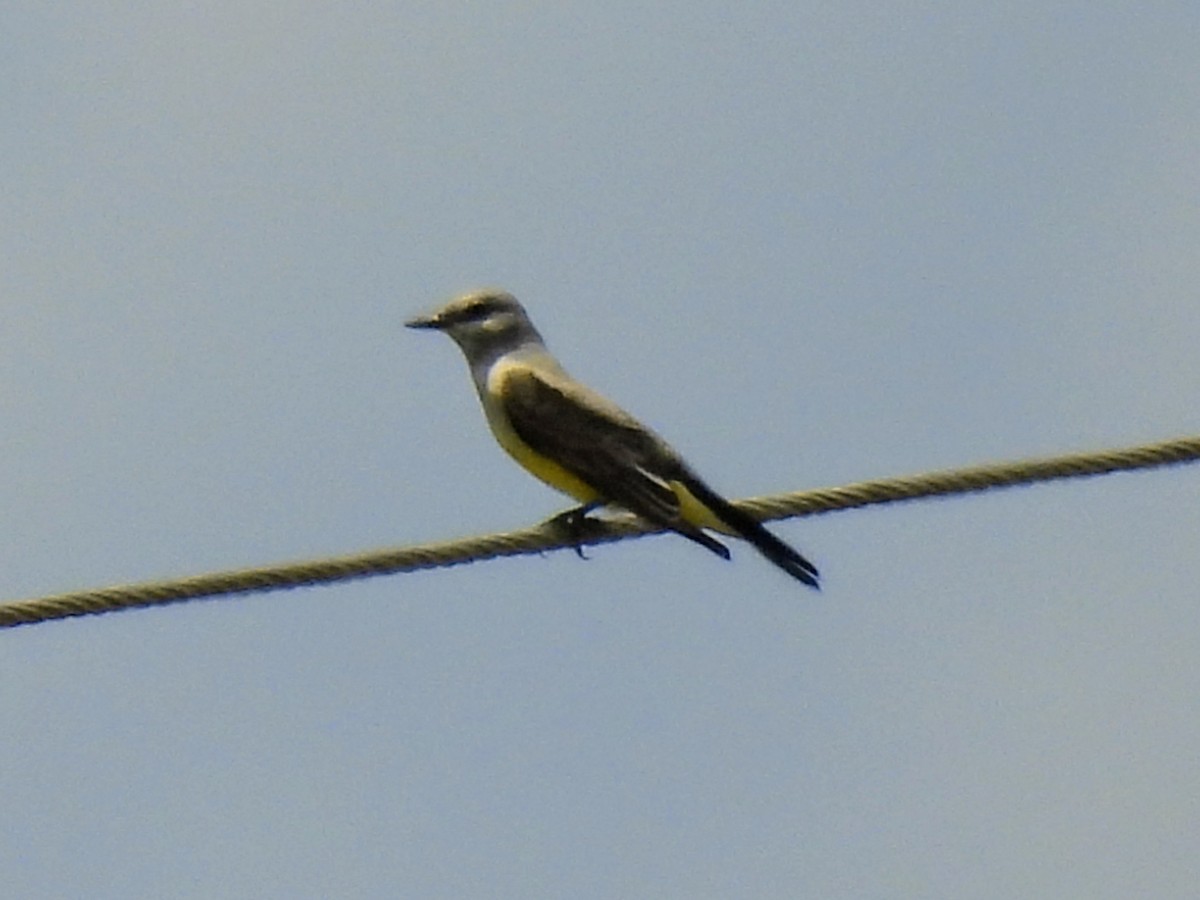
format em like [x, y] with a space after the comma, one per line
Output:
[574, 522]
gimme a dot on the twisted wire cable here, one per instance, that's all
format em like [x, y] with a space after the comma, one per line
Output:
[545, 537]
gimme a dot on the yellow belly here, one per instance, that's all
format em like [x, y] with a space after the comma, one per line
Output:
[544, 468]
[541, 467]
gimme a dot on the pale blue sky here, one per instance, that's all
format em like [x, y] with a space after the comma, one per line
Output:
[809, 242]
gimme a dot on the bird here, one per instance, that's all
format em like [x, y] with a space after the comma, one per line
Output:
[581, 443]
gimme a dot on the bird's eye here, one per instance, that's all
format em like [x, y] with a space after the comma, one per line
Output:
[478, 309]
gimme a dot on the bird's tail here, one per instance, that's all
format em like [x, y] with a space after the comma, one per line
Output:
[751, 530]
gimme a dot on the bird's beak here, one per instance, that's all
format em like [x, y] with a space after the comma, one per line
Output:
[428, 321]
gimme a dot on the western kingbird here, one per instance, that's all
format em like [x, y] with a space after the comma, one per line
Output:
[582, 444]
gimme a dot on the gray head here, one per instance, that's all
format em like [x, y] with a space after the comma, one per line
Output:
[483, 323]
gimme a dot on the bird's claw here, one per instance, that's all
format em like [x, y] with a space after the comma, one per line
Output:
[576, 525]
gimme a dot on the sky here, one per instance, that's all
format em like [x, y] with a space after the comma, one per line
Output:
[810, 243]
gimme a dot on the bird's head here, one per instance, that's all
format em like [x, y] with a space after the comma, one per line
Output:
[481, 321]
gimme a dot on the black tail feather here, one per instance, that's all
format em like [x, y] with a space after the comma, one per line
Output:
[704, 540]
[753, 531]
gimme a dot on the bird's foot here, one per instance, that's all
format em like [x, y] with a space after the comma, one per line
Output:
[576, 525]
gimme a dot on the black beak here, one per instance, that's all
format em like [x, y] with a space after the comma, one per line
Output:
[424, 322]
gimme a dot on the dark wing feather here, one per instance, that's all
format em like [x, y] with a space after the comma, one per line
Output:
[598, 442]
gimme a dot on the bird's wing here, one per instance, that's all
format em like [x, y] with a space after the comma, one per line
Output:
[595, 440]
